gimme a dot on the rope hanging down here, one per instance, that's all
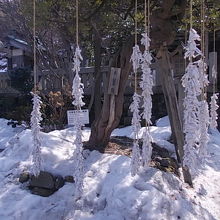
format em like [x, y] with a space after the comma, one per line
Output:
[146, 85]
[204, 67]
[142, 60]
[204, 108]
[134, 107]
[77, 92]
[135, 77]
[195, 112]
[34, 38]
[213, 103]
[36, 117]
[214, 68]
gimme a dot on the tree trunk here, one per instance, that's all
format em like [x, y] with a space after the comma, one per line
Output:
[98, 76]
[105, 124]
[172, 109]
[162, 31]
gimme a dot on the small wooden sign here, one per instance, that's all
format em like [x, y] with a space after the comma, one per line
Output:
[82, 115]
[114, 81]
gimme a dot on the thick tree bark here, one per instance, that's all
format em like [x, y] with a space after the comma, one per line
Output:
[162, 31]
[96, 96]
[104, 125]
[98, 76]
[172, 108]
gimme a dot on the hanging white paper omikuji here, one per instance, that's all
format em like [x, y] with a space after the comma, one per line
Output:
[214, 72]
[134, 107]
[77, 92]
[136, 155]
[35, 130]
[136, 58]
[78, 161]
[146, 148]
[213, 103]
[204, 125]
[77, 88]
[146, 85]
[213, 111]
[191, 81]
[191, 108]
[202, 66]
[203, 114]
[191, 50]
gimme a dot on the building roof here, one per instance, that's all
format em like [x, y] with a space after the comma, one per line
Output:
[17, 43]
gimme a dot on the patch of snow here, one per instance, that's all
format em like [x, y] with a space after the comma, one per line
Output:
[156, 132]
[8, 134]
[160, 135]
[21, 41]
[110, 192]
[3, 64]
[163, 122]
[3, 70]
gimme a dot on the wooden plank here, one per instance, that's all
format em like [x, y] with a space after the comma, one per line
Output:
[112, 112]
[114, 81]
[172, 108]
[181, 96]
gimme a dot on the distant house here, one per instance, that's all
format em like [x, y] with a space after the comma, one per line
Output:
[14, 53]
[4, 78]
[18, 53]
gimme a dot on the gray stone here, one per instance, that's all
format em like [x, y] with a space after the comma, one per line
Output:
[45, 184]
[44, 180]
[69, 179]
[59, 182]
[42, 191]
[24, 177]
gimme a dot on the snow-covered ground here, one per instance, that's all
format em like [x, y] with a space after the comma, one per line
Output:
[110, 193]
[3, 63]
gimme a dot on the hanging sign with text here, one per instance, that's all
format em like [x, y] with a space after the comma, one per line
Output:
[82, 115]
